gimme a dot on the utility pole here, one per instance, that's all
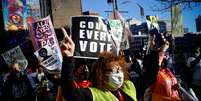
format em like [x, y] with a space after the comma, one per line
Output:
[171, 18]
[116, 5]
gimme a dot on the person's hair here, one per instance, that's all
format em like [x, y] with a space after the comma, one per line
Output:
[100, 66]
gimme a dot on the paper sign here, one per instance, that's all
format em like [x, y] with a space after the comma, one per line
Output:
[152, 22]
[126, 31]
[48, 58]
[116, 30]
[15, 55]
[43, 35]
[91, 37]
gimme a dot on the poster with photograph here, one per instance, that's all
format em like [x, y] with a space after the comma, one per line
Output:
[15, 55]
[43, 35]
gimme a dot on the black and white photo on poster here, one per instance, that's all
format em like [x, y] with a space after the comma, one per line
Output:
[15, 55]
[43, 36]
[91, 37]
[48, 59]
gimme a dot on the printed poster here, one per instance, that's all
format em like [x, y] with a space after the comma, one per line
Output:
[15, 55]
[48, 59]
[16, 14]
[91, 37]
[44, 39]
[126, 31]
[116, 30]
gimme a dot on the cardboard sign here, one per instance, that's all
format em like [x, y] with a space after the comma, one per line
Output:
[43, 35]
[15, 55]
[116, 30]
[91, 36]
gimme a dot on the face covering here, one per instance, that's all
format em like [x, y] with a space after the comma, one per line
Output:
[84, 73]
[84, 76]
[115, 79]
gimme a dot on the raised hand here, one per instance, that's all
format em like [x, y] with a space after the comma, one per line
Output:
[67, 45]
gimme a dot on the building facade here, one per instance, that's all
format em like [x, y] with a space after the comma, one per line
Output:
[198, 23]
[187, 42]
[62, 10]
[59, 10]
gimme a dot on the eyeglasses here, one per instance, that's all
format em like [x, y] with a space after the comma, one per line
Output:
[114, 69]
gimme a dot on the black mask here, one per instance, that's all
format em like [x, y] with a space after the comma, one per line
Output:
[84, 76]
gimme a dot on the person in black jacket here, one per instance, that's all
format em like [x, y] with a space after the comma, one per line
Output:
[110, 81]
[17, 86]
[194, 64]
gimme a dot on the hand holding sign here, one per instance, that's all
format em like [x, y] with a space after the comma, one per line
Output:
[67, 46]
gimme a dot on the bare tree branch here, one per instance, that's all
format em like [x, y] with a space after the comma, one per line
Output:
[167, 4]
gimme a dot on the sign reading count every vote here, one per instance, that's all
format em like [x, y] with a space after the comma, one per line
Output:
[91, 36]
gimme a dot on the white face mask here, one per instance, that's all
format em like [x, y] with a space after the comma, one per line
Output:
[115, 79]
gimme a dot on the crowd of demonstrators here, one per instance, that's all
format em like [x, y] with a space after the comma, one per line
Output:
[17, 86]
[110, 76]
[110, 80]
[149, 72]
[138, 77]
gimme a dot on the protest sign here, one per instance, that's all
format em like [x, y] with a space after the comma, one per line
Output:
[48, 59]
[126, 31]
[116, 30]
[43, 35]
[152, 22]
[138, 42]
[91, 37]
[15, 55]
[153, 28]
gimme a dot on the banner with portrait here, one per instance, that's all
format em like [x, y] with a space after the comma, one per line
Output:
[48, 59]
[15, 55]
[43, 35]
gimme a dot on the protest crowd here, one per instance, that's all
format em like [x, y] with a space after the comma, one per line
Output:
[93, 62]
